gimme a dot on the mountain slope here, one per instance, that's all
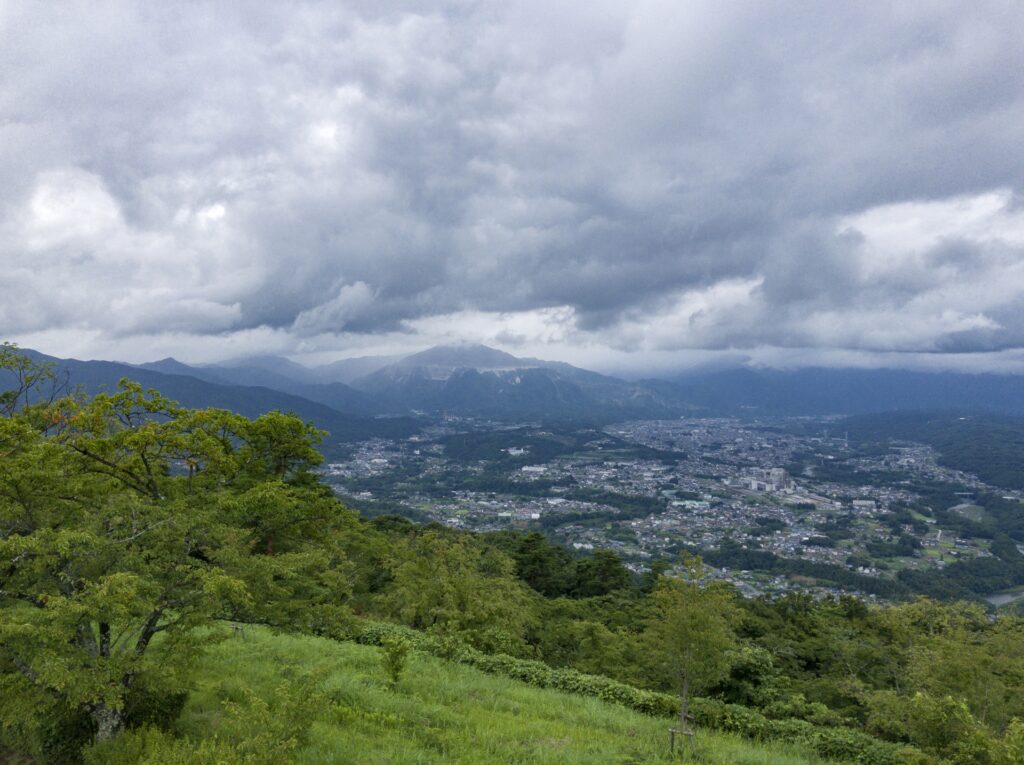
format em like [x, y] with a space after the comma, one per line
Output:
[335, 395]
[439, 712]
[477, 380]
[463, 356]
[279, 365]
[347, 370]
[460, 379]
[250, 401]
[481, 381]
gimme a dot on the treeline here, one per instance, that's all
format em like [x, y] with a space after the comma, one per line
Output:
[130, 528]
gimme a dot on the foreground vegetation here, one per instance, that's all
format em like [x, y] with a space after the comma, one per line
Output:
[130, 527]
[263, 697]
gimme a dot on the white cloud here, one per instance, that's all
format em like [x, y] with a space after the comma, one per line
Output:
[75, 261]
[350, 303]
[69, 208]
[599, 179]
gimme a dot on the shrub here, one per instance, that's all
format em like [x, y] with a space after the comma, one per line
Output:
[833, 742]
[151, 704]
[394, 658]
[798, 707]
[1011, 748]
[38, 726]
[946, 726]
[151, 746]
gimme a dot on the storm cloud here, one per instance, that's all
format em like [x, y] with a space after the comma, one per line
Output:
[585, 180]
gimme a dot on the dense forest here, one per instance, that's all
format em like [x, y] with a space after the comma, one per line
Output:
[137, 536]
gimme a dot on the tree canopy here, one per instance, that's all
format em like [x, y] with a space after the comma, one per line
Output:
[127, 522]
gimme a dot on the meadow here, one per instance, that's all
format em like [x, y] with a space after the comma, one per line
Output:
[438, 712]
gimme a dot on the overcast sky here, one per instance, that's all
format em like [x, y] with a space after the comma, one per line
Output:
[627, 185]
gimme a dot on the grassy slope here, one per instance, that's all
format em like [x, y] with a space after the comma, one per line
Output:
[440, 713]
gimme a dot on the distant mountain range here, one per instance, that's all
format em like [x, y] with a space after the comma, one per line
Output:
[284, 376]
[373, 395]
[820, 391]
[195, 387]
[475, 379]
[459, 379]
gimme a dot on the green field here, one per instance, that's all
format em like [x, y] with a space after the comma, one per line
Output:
[440, 712]
[968, 510]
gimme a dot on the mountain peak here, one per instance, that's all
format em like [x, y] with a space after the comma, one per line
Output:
[169, 365]
[462, 355]
[260, 360]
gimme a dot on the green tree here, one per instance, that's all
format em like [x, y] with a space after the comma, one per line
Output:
[453, 585]
[653, 574]
[690, 633]
[25, 381]
[394, 657]
[946, 727]
[600, 574]
[1011, 748]
[547, 568]
[124, 517]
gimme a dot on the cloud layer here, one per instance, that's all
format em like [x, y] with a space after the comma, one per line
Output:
[598, 180]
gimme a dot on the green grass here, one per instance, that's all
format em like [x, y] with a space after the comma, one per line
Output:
[440, 712]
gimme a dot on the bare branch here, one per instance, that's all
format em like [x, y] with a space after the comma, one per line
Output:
[26, 670]
[146, 530]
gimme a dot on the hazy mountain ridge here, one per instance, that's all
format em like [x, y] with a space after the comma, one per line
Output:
[336, 395]
[463, 356]
[473, 379]
[249, 400]
[460, 379]
[347, 370]
[481, 381]
[822, 391]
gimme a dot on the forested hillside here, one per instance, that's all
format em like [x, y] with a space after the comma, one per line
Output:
[141, 543]
[989, 446]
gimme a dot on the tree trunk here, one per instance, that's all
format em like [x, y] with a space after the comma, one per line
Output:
[684, 715]
[684, 704]
[104, 639]
[108, 721]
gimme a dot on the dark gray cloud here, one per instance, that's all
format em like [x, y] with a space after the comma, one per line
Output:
[643, 178]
